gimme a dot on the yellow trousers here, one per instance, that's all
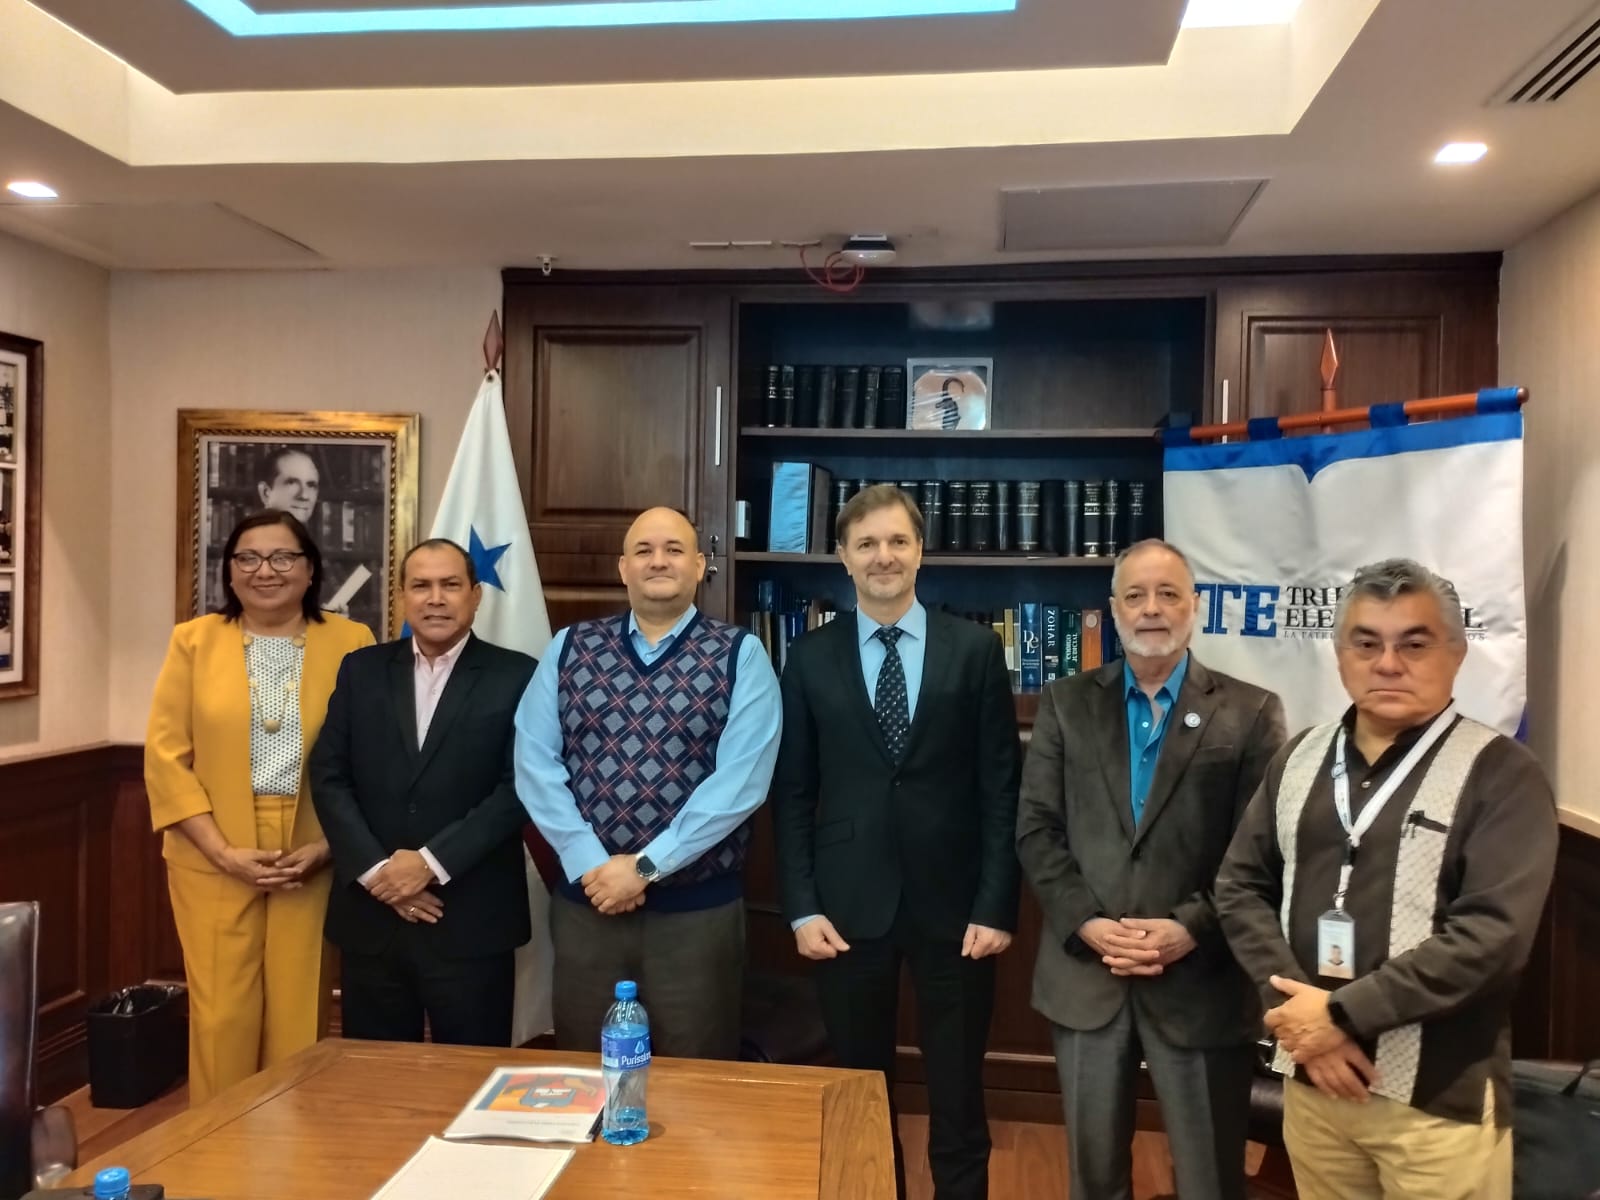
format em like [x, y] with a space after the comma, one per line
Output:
[255, 963]
[1342, 1150]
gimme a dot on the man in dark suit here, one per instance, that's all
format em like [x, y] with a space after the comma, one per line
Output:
[1135, 778]
[412, 780]
[895, 803]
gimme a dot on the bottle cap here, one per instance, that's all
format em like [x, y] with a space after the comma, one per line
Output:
[627, 989]
[112, 1183]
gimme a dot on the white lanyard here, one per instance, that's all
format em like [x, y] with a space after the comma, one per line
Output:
[1355, 831]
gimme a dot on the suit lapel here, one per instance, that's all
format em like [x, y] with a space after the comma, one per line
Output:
[463, 678]
[936, 662]
[847, 658]
[1111, 721]
[403, 697]
[1198, 696]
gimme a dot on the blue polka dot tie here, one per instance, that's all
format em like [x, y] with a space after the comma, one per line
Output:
[890, 702]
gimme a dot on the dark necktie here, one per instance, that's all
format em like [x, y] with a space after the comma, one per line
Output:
[890, 701]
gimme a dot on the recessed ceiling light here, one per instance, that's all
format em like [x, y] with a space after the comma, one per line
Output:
[1460, 152]
[241, 20]
[32, 189]
[1217, 14]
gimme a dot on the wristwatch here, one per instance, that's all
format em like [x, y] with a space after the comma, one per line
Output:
[648, 871]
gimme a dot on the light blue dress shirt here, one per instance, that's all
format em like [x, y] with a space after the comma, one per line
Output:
[1146, 732]
[913, 648]
[736, 787]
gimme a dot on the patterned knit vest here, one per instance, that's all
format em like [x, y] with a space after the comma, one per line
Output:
[637, 739]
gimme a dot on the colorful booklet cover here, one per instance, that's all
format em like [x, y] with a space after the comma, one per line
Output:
[534, 1104]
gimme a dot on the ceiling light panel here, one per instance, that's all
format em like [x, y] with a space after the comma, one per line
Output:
[1457, 153]
[32, 189]
[240, 20]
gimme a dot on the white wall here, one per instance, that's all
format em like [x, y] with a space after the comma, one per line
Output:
[1550, 344]
[63, 302]
[369, 341]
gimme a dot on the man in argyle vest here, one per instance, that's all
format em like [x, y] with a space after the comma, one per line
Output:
[1383, 891]
[644, 744]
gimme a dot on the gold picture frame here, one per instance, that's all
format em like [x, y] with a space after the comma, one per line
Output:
[350, 477]
[21, 471]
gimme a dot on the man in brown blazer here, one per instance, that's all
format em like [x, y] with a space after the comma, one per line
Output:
[1136, 776]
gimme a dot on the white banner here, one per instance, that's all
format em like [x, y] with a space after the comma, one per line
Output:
[481, 509]
[1276, 527]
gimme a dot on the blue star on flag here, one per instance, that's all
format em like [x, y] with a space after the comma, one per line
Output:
[484, 559]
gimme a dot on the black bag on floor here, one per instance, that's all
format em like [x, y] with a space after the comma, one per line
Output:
[138, 1044]
[1556, 1131]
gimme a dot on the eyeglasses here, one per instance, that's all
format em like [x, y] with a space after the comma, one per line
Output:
[1411, 649]
[250, 562]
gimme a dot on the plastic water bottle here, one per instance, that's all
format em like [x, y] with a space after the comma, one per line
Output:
[625, 1059]
[114, 1183]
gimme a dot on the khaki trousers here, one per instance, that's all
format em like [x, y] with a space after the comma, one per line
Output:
[1342, 1150]
[254, 961]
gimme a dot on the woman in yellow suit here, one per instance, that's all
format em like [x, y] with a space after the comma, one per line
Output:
[238, 706]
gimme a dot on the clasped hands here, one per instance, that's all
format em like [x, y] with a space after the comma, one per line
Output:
[273, 870]
[1304, 1028]
[615, 886]
[818, 939]
[1136, 945]
[402, 884]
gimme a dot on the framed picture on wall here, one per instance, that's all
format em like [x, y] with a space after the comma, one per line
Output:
[350, 478]
[21, 461]
[949, 393]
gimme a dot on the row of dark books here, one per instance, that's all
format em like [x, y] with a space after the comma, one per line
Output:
[833, 397]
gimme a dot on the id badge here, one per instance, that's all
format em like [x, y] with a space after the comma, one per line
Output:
[1336, 945]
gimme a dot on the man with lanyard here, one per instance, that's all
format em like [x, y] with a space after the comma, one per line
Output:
[1419, 844]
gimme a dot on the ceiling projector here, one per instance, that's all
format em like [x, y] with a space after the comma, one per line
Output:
[868, 249]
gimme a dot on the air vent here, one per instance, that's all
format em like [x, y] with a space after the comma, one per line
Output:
[1560, 67]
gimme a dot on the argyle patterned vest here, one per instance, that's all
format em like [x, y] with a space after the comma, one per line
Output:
[637, 739]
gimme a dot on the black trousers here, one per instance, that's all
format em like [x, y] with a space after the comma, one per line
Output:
[466, 1001]
[860, 997]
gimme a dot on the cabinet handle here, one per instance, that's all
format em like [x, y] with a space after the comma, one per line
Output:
[1224, 404]
[716, 428]
[711, 570]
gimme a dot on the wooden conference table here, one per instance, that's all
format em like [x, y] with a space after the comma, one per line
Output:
[335, 1121]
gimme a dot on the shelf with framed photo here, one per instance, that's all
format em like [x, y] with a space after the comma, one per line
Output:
[1031, 471]
[21, 467]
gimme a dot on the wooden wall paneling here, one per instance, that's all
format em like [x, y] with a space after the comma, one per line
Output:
[1574, 961]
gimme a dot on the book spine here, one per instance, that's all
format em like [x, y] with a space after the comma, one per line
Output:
[1013, 661]
[955, 522]
[933, 514]
[1136, 526]
[980, 515]
[1028, 516]
[892, 404]
[1071, 642]
[1050, 505]
[805, 397]
[1093, 547]
[769, 405]
[849, 414]
[827, 390]
[1032, 653]
[1090, 648]
[1072, 527]
[1050, 645]
[843, 489]
[1111, 525]
[871, 382]
[786, 396]
[1004, 523]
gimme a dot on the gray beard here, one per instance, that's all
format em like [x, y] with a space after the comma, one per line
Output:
[1151, 645]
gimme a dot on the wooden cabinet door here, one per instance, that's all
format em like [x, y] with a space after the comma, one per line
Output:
[618, 399]
[1399, 336]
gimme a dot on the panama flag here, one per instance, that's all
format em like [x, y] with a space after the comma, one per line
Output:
[482, 510]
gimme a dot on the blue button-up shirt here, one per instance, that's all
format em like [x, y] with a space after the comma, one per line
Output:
[912, 646]
[1146, 731]
[736, 787]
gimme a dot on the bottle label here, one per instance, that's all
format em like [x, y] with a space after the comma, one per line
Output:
[624, 1053]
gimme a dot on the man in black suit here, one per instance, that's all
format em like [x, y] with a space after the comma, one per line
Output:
[1137, 774]
[895, 802]
[412, 780]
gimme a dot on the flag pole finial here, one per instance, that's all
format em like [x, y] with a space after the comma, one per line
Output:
[494, 344]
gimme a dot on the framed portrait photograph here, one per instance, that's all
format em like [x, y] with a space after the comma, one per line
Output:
[350, 478]
[21, 461]
[949, 393]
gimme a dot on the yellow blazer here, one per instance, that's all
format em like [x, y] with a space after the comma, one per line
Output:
[197, 748]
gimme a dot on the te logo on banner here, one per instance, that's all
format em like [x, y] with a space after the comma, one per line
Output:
[1294, 611]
